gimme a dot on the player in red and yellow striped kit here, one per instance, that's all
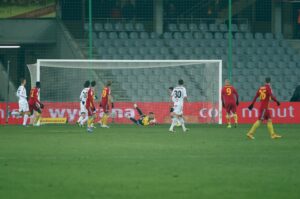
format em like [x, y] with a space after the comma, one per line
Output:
[90, 106]
[265, 94]
[230, 101]
[106, 102]
[35, 104]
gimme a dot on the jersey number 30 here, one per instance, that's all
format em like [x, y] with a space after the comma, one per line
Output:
[177, 94]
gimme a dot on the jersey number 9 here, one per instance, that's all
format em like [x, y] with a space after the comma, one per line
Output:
[228, 91]
[262, 94]
[104, 93]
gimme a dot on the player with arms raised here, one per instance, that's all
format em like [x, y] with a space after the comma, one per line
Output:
[90, 106]
[230, 101]
[106, 101]
[35, 104]
[178, 97]
[83, 111]
[23, 104]
[265, 94]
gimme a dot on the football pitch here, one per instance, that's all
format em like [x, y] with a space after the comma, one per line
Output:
[127, 161]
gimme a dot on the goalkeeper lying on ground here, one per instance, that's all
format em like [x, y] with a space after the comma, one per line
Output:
[144, 120]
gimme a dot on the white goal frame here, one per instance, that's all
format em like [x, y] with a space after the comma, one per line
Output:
[39, 61]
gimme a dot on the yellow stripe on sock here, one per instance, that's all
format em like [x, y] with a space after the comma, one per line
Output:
[235, 117]
[254, 127]
[228, 119]
[270, 127]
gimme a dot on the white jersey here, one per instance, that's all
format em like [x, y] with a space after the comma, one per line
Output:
[21, 93]
[178, 94]
[83, 95]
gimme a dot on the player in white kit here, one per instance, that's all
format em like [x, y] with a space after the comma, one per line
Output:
[23, 104]
[178, 96]
[83, 111]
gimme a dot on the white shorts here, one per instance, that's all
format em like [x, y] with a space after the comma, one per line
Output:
[178, 109]
[83, 109]
[23, 106]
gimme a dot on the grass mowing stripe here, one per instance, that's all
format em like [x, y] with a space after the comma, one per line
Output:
[127, 161]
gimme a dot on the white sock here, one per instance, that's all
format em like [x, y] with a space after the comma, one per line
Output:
[174, 122]
[25, 118]
[80, 119]
[181, 120]
[83, 121]
[16, 113]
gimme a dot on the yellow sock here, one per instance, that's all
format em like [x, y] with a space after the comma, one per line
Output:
[37, 118]
[228, 118]
[254, 127]
[90, 121]
[270, 127]
[235, 117]
[105, 118]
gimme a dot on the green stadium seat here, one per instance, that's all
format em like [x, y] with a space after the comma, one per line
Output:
[203, 27]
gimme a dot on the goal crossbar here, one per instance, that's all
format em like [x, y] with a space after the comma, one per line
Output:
[127, 64]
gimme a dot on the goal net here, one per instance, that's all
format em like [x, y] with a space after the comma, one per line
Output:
[144, 82]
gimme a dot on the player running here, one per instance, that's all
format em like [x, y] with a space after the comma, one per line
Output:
[265, 94]
[90, 106]
[144, 120]
[35, 104]
[23, 104]
[230, 101]
[106, 101]
[83, 111]
[178, 97]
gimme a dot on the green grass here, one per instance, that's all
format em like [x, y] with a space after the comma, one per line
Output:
[13, 10]
[135, 162]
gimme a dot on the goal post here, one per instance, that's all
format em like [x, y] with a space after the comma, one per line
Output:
[143, 81]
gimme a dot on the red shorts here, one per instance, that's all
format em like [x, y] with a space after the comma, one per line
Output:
[34, 107]
[90, 111]
[264, 114]
[230, 107]
[105, 107]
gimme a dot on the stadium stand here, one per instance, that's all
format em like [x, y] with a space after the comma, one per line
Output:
[258, 54]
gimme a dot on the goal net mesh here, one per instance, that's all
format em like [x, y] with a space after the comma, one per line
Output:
[143, 82]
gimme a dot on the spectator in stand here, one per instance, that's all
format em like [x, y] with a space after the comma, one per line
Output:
[171, 11]
[116, 11]
[128, 10]
[296, 95]
[211, 13]
[298, 24]
[104, 9]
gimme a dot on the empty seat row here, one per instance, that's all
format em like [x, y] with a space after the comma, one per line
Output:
[129, 42]
[264, 65]
[260, 36]
[160, 42]
[257, 58]
[127, 35]
[264, 51]
[206, 47]
[220, 35]
[206, 27]
[265, 38]
[137, 57]
[134, 51]
[116, 27]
